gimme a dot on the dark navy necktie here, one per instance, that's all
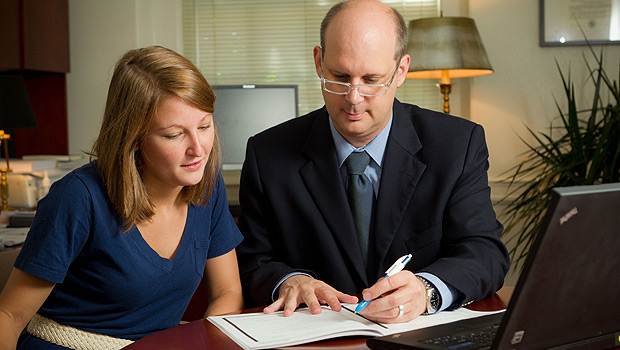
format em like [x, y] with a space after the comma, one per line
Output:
[360, 194]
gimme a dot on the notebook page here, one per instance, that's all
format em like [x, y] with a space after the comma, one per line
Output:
[260, 330]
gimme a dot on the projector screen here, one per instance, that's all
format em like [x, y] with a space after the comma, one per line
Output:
[242, 111]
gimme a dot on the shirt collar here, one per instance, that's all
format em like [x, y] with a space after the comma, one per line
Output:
[375, 148]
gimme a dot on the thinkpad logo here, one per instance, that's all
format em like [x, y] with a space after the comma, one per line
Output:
[568, 215]
[517, 337]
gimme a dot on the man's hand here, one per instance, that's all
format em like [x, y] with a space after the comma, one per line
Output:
[303, 289]
[390, 293]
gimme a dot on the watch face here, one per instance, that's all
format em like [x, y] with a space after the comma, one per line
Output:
[434, 300]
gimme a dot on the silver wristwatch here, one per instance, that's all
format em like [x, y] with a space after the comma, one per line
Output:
[433, 299]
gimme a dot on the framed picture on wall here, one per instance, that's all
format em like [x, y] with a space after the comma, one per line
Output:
[577, 22]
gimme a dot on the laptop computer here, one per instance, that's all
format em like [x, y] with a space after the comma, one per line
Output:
[568, 294]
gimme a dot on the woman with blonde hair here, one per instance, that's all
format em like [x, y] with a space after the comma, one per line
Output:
[118, 247]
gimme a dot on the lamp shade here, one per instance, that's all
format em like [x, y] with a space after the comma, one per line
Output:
[446, 44]
[15, 108]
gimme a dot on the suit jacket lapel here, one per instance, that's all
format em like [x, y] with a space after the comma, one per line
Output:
[400, 174]
[324, 183]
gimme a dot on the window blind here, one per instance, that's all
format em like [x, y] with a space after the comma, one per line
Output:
[271, 42]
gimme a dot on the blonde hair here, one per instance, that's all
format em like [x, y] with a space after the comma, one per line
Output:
[142, 79]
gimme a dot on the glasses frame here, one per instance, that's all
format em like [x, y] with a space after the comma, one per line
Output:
[357, 87]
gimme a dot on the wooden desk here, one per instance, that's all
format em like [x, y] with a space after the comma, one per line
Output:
[202, 334]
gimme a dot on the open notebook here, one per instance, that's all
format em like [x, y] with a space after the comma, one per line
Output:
[267, 331]
[568, 295]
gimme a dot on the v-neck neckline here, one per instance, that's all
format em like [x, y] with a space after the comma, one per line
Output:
[153, 256]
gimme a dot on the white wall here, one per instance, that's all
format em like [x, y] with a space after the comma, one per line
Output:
[100, 33]
[526, 80]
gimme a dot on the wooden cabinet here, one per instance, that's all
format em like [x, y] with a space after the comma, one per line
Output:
[34, 42]
[34, 35]
[10, 51]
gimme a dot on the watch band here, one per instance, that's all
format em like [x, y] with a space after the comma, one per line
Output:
[433, 299]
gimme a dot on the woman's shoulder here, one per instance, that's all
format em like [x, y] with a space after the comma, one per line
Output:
[87, 172]
[84, 179]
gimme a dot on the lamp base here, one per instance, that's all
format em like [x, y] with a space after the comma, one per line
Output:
[445, 89]
[4, 189]
[4, 186]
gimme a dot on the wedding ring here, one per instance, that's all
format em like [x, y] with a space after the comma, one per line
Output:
[401, 311]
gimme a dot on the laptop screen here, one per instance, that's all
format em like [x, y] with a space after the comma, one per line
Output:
[569, 291]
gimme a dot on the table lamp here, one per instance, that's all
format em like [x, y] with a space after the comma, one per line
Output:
[15, 113]
[444, 48]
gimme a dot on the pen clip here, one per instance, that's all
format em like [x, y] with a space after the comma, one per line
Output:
[398, 265]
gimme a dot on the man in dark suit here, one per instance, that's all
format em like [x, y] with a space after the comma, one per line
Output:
[429, 195]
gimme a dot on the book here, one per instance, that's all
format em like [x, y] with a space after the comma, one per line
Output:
[266, 331]
[63, 162]
[57, 157]
[21, 166]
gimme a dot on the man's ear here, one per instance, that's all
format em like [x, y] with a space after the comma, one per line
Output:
[317, 52]
[403, 68]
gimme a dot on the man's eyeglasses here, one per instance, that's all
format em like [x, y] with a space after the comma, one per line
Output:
[370, 90]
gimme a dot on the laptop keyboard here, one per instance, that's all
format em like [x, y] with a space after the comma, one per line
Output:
[481, 339]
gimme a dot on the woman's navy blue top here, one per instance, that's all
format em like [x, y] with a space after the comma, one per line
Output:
[112, 282]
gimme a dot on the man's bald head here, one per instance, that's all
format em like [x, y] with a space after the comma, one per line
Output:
[377, 9]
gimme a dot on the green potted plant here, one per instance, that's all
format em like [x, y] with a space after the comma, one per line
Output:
[581, 148]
